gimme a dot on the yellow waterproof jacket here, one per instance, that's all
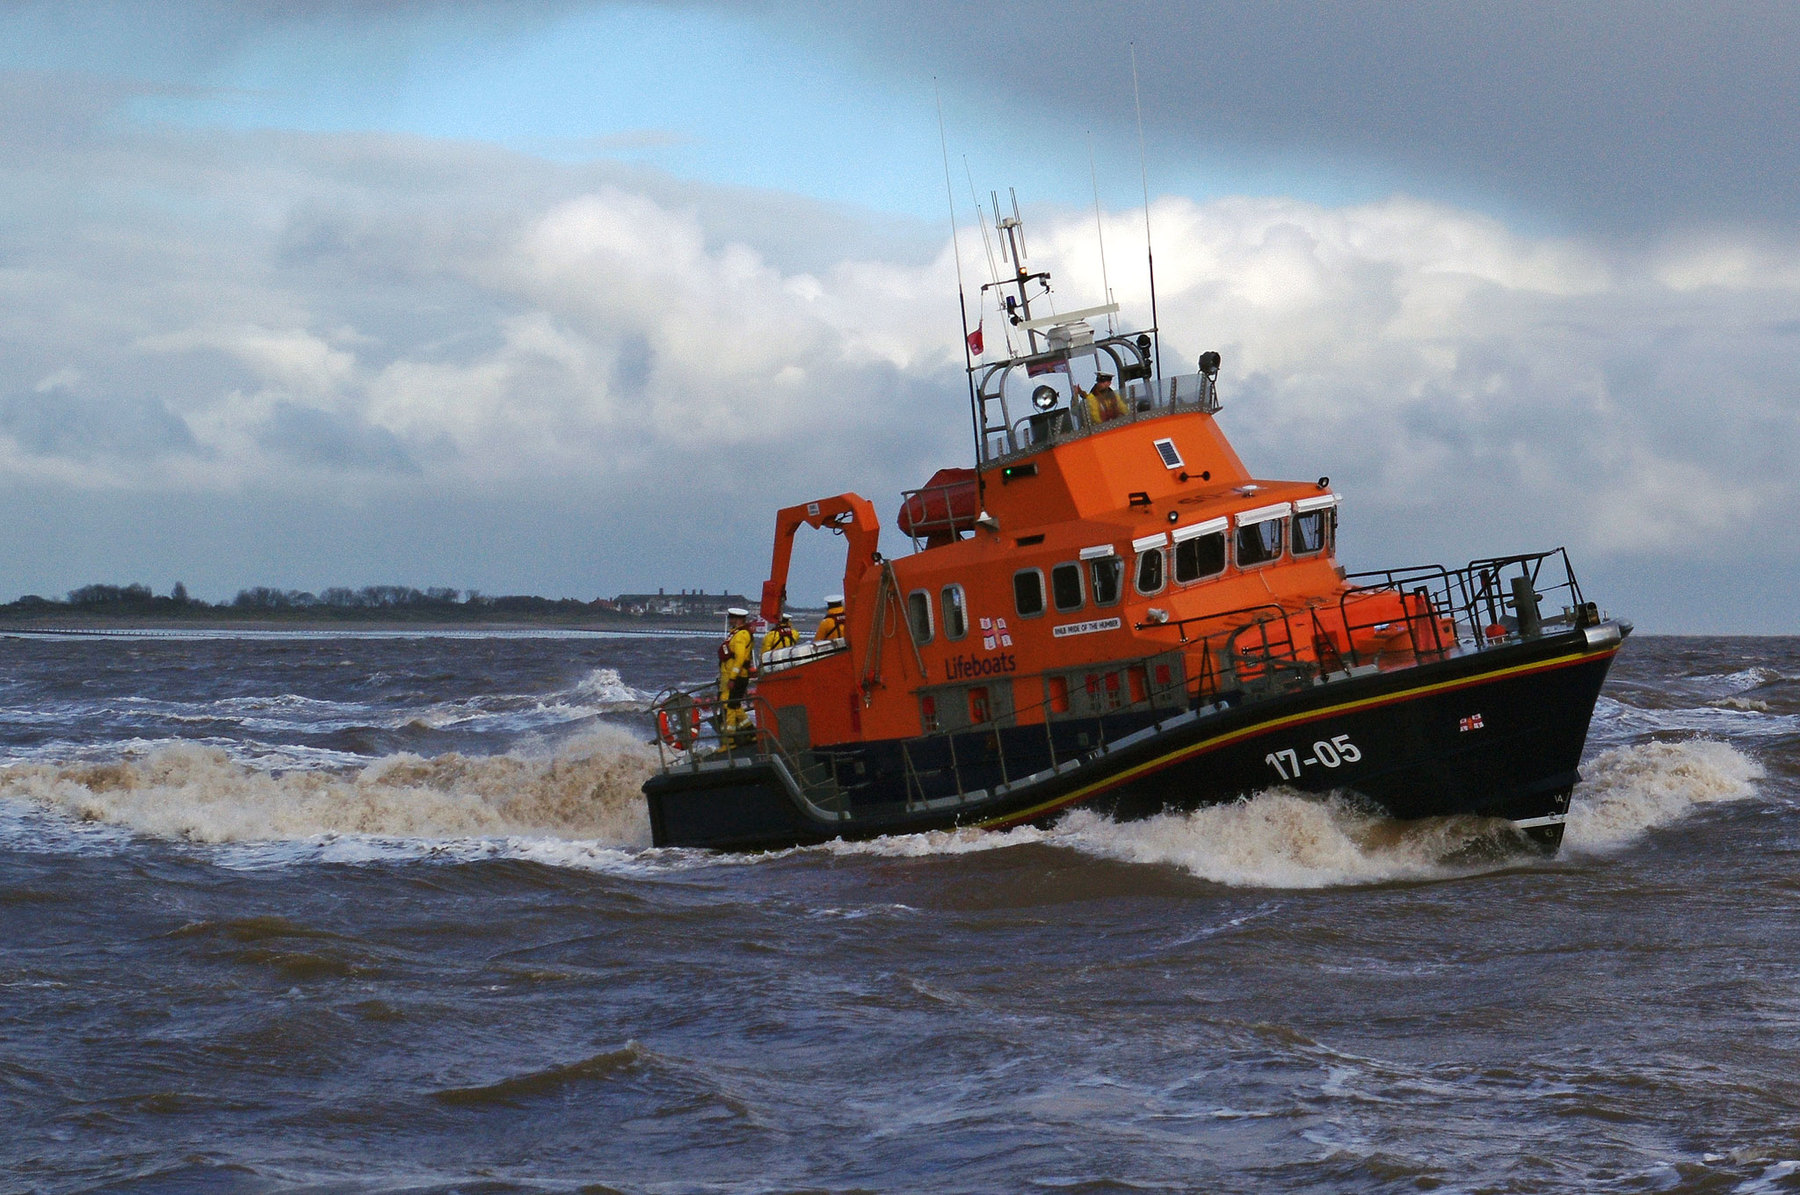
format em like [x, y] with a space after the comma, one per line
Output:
[1103, 404]
[780, 637]
[734, 655]
[830, 627]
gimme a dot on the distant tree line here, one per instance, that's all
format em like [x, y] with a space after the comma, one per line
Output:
[137, 600]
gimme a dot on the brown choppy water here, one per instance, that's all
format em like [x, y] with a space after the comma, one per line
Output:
[379, 915]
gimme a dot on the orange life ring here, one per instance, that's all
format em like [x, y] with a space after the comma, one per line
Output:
[678, 727]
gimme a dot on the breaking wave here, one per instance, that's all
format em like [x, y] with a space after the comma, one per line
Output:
[1283, 839]
[587, 789]
[1629, 791]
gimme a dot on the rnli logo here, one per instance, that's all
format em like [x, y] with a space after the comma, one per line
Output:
[1472, 722]
[994, 634]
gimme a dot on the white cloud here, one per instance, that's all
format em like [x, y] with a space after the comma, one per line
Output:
[427, 319]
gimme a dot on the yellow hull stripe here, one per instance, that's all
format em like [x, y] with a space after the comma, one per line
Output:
[1226, 740]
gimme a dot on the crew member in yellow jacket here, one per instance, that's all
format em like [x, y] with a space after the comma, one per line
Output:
[1103, 402]
[782, 636]
[735, 671]
[832, 625]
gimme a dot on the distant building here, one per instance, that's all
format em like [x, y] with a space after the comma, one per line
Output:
[687, 602]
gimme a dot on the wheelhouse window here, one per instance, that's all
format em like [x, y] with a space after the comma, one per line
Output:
[1065, 586]
[1152, 563]
[1260, 542]
[1199, 551]
[1150, 571]
[1315, 525]
[1310, 532]
[956, 612]
[918, 613]
[1106, 575]
[1028, 592]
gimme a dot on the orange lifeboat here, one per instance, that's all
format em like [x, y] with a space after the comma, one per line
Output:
[1117, 614]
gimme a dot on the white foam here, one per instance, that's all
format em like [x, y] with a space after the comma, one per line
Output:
[1629, 791]
[606, 690]
[1283, 839]
[964, 841]
[586, 789]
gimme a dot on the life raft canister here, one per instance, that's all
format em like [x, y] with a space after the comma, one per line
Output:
[943, 508]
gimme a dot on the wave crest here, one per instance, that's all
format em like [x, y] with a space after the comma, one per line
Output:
[1628, 791]
[587, 789]
[1284, 839]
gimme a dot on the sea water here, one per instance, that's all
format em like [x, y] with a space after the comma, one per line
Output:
[378, 913]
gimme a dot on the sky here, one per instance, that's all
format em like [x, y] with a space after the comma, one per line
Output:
[569, 298]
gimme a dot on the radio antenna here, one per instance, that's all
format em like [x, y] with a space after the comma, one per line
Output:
[1144, 174]
[962, 303]
[1100, 233]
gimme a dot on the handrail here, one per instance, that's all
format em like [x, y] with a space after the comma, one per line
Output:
[1142, 400]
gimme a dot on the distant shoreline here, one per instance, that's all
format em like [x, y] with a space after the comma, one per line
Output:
[72, 623]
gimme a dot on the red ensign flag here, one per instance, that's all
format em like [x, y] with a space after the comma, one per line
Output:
[975, 341]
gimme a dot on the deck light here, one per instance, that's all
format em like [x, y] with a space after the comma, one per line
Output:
[1174, 516]
[1209, 364]
[1324, 483]
[1044, 397]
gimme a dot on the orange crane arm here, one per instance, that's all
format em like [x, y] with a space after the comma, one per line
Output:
[851, 514]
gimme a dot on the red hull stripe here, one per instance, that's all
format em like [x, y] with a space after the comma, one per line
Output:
[1302, 719]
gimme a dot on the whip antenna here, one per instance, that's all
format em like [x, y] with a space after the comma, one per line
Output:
[1100, 234]
[962, 303]
[1144, 174]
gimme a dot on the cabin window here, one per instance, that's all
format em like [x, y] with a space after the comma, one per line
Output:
[1201, 556]
[928, 715]
[1150, 571]
[1107, 576]
[956, 612]
[1259, 543]
[1028, 592]
[918, 613]
[979, 710]
[1309, 533]
[1065, 586]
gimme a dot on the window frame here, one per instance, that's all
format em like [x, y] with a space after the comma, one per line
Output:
[1096, 562]
[962, 610]
[1326, 506]
[1324, 518]
[1150, 545]
[924, 596]
[1197, 531]
[1237, 541]
[1042, 596]
[1080, 587]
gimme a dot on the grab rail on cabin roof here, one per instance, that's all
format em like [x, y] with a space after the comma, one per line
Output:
[1144, 398]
